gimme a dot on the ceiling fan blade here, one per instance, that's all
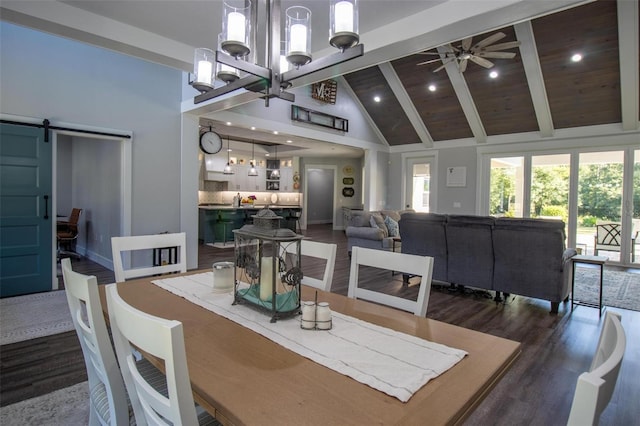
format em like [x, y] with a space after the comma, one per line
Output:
[444, 64]
[501, 46]
[489, 40]
[466, 43]
[463, 65]
[429, 53]
[453, 48]
[499, 55]
[428, 62]
[481, 61]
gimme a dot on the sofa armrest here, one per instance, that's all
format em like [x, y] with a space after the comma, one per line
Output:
[365, 232]
[567, 255]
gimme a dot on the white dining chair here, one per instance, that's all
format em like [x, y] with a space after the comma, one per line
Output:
[400, 262]
[107, 397]
[316, 249]
[169, 403]
[595, 387]
[120, 246]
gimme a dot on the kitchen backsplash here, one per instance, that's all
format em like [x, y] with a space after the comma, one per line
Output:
[212, 196]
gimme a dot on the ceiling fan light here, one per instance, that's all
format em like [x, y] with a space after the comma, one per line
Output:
[576, 57]
[494, 74]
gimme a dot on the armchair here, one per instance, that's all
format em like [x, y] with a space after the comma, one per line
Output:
[67, 234]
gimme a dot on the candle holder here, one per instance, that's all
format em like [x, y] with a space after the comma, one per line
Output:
[267, 276]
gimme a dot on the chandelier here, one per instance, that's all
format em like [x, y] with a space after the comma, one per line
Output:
[236, 49]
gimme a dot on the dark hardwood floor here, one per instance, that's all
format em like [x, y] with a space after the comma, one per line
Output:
[537, 390]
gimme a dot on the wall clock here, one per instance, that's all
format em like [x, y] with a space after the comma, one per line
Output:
[210, 142]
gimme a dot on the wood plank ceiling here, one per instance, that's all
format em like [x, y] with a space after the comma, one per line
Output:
[539, 90]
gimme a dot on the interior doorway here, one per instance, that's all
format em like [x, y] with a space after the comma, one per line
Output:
[320, 194]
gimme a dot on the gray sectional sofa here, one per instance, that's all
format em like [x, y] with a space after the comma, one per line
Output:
[510, 255]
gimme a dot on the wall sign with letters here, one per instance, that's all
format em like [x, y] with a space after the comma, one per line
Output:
[325, 91]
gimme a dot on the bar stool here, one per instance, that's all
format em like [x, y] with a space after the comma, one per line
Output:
[295, 215]
[224, 223]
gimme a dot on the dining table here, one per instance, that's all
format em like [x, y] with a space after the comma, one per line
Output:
[243, 378]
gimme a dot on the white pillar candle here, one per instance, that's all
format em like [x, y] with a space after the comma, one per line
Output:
[343, 17]
[308, 315]
[323, 316]
[298, 38]
[235, 27]
[204, 72]
[266, 278]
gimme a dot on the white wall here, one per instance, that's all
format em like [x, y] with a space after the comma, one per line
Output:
[65, 81]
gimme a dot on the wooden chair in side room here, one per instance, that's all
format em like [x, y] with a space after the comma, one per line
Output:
[595, 387]
[107, 397]
[67, 234]
[401, 262]
[318, 250]
[174, 243]
[164, 340]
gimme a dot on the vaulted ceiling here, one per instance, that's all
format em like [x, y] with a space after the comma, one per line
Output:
[541, 90]
[538, 94]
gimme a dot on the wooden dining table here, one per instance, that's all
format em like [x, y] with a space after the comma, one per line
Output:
[243, 378]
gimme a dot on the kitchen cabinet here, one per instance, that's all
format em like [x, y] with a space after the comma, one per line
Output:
[241, 181]
[286, 179]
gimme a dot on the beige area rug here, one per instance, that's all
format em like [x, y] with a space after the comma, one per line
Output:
[34, 315]
[64, 407]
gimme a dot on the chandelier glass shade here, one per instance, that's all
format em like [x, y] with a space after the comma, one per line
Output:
[225, 72]
[203, 61]
[298, 35]
[236, 27]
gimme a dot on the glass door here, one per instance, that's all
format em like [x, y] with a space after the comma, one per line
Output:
[507, 187]
[635, 210]
[600, 185]
[419, 184]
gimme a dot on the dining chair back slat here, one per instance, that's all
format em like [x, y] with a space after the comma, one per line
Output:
[398, 262]
[163, 339]
[319, 250]
[121, 245]
[108, 401]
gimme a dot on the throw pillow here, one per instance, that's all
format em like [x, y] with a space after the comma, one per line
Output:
[392, 226]
[380, 223]
[372, 222]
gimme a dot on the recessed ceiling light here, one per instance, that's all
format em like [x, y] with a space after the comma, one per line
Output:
[493, 74]
[253, 127]
[432, 87]
[228, 123]
[576, 57]
[377, 98]
[289, 141]
[275, 132]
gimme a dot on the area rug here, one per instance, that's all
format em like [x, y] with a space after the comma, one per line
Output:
[64, 407]
[619, 289]
[34, 315]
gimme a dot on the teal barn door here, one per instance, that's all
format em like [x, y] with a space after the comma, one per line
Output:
[26, 219]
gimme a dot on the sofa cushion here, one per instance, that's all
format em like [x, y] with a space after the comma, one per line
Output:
[392, 226]
[379, 221]
[360, 218]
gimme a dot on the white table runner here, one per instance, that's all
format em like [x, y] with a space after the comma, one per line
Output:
[395, 363]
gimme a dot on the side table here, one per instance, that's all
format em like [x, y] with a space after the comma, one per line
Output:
[590, 260]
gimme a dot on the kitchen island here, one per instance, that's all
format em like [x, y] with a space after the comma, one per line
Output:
[217, 221]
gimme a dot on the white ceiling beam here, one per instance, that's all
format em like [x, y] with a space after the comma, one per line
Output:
[71, 22]
[464, 97]
[533, 71]
[629, 46]
[405, 102]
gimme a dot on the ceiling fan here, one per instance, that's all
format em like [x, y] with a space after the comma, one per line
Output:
[465, 52]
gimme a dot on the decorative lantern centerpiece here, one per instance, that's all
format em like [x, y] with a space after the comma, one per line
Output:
[268, 272]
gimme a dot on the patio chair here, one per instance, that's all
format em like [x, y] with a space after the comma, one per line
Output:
[609, 238]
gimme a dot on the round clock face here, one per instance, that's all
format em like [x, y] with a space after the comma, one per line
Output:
[210, 143]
